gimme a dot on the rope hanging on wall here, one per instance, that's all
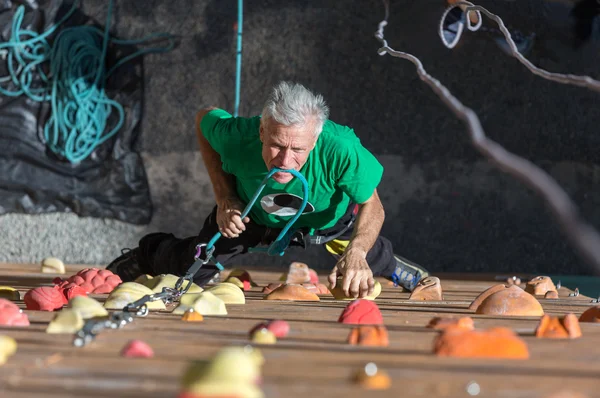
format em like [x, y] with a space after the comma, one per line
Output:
[70, 74]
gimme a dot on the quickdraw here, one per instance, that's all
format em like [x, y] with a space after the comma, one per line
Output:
[120, 319]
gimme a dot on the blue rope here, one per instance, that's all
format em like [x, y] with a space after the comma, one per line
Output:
[75, 84]
[238, 67]
[283, 239]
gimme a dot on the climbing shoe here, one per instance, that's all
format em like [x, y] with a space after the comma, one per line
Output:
[407, 273]
[126, 265]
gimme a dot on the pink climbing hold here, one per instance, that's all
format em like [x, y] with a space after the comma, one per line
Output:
[278, 327]
[11, 314]
[137, 349]
[361, 312]
[314, 278]
[73, 291]
[92, 280]
[45, 298]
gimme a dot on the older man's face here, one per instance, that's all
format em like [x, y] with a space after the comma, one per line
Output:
[286, 147]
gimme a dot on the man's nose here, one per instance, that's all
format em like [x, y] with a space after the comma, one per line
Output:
[286, 159]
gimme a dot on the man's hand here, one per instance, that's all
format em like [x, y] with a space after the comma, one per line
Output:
[358, 278]
[229, 219]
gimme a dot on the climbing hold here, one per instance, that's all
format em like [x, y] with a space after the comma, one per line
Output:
[338, 293]
[87, 307]
[270, 287]
[8, 347]
[192, 316]
[168, 280]
[428, 289]
[73, 291]
[551, 294]
[539, 285]
[143, 279]
[510, 300]
[229, 293]
[371, 378]
[45, 298]
[552, 327]
[278, 327]
[137, 349]
[204, 303]
[316, 289]
[52, 265]
[439, 323]
[232, 372]
[298, 273]
[292, 293]
[128, 292]
[369, 335]
[263, 336]
[485, 294]
[93, 280]
[243, 276]
[592, 314]
[9, 293]
[361, 312]
[11, 314]
[498, 342]
[65, 321]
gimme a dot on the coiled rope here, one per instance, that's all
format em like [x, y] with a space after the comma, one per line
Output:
[71, 74]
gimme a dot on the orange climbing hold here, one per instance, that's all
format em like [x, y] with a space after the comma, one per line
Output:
[499, 342]
[551, 327]
[369, 335]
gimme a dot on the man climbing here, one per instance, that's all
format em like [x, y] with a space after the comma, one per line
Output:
[343, 212]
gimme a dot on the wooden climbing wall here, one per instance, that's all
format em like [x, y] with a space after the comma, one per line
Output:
[313, 361]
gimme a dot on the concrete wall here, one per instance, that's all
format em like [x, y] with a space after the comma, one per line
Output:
[447, 207]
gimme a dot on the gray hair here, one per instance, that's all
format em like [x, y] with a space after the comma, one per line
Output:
[292, 103]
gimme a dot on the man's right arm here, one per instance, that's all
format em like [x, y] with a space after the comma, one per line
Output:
[229, 205]
[222, 182]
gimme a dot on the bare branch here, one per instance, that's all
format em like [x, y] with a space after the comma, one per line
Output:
[582, 235]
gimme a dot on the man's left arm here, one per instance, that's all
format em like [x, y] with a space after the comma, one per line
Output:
[358, 278]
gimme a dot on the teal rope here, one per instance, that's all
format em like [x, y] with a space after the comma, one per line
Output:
[283, 239]
[238, 67]
[75, 85]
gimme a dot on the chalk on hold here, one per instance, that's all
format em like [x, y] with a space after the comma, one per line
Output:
[592, 314]
[511, 300]
[292, 293]
[371, 378]
[9, 293]
[440, 323]
[551, 327]
[428, 289]
[361, 312]
[137, 349]
[298, 273]
[369, 335]
[539, 285]
[11, 314]
[338, 293]
[53, 265]
[499, 342]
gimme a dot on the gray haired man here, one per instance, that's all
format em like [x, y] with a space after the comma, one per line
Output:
[344, 210]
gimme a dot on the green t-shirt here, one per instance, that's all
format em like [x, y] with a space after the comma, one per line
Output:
[338, 170]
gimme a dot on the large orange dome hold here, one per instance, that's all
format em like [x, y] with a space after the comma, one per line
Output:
[510, 300]
[592, 314]
[499, 342]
